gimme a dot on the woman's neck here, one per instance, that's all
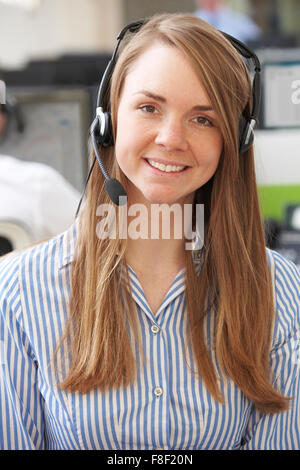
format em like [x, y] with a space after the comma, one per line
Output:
[144, 255]
[156, 233]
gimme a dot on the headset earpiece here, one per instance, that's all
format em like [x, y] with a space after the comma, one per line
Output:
[104, 131]
[247, 125]
[246, 134]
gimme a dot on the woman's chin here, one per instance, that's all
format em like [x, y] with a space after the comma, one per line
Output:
[156, 195]
[158, 199]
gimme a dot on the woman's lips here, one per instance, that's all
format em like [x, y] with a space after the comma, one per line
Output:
[162, 172]
[166, 163]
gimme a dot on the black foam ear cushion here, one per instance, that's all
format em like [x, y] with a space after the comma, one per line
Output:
[108, 138]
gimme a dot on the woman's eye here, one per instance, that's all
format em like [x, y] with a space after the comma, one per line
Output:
[203, 121]
[148, 108]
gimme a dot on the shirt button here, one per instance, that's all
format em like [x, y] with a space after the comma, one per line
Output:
[154, 329]
[158, 391]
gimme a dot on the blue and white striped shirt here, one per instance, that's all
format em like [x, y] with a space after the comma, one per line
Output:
[168, 407]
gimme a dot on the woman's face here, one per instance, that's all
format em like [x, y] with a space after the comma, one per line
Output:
[168, 141]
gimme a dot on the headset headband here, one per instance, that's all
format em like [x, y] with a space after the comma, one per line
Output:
[133, 28]
[238, 45]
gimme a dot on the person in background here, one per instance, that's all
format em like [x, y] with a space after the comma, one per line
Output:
[219, 15]
[33, 196]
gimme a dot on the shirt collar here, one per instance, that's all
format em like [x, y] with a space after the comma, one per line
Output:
[67, 249]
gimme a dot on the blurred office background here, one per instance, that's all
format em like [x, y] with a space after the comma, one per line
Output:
[52, 57]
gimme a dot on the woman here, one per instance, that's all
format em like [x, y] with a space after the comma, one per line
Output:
[119, 342]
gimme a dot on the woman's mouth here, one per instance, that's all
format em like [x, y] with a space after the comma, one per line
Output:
[166, 168]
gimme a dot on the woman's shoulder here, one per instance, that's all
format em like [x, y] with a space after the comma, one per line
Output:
[284, 271]
[286, 286]
[17, 267]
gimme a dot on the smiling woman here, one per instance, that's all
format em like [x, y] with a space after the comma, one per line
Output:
[159, 123]
[139, 343]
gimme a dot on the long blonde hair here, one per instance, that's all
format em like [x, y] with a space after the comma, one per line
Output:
[234, 280]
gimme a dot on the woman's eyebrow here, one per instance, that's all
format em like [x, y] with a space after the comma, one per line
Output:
[162, 99]
[203, 107]
[151, 95]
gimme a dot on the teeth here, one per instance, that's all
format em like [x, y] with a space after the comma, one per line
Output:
[167, 168]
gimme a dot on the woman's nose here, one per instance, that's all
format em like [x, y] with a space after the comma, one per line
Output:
[171, 135]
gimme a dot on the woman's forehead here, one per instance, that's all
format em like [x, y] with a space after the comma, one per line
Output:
[163, 69]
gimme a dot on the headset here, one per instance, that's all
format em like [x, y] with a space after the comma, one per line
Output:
[101, 131]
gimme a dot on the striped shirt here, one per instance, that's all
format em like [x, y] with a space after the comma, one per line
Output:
[168, 407]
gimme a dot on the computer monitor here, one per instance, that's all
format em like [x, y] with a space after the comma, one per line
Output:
[56, 124]
[280, 92]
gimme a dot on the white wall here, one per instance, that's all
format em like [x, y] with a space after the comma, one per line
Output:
[57, 27]
[277, 157]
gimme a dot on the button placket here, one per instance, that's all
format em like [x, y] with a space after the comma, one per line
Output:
[159, 374]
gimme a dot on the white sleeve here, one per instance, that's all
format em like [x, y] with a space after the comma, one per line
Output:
[57, 201]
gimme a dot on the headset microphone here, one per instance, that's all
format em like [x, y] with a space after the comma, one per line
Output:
[113, 187]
